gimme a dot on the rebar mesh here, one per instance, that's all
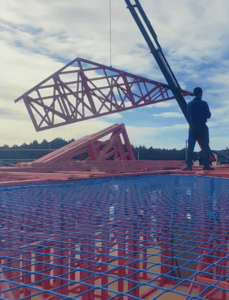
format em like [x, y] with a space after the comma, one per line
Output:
[146, 237]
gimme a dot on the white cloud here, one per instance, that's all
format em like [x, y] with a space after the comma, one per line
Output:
[21, 70]
[20, 131]
[212, 124]
[219, 142]
[156, 136]
[169, 115]
[221, 78]
[164, 104]
[37, 37]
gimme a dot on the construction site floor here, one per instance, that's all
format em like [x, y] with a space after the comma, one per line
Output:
[130, 236]
[9, 177]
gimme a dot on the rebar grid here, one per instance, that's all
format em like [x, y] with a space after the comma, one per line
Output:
[146, 237]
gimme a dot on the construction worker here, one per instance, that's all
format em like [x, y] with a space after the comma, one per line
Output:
[197, 113]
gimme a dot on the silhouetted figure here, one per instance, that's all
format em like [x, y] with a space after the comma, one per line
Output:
[197, 113]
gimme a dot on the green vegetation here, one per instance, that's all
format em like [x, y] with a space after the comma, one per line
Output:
[14, 154]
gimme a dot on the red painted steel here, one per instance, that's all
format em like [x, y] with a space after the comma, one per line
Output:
[213, 263]
[83, 90]
[115, 154]
[89, 148]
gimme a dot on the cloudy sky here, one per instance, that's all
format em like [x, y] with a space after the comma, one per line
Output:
[38, 37]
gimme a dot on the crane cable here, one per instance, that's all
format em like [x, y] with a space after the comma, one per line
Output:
[110, 34]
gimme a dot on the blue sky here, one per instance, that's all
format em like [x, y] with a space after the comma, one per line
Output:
[38, 37]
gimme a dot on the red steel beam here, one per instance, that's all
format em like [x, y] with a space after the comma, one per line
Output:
[84, 90]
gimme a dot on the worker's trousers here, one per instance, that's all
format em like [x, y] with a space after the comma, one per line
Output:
[195, 132]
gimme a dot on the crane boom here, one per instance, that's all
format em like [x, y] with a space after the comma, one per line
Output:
[151, 39]
[155, 48]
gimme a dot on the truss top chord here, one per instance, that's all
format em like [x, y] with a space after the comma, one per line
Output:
[84, 90]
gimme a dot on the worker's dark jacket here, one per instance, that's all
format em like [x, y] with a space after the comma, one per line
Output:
[198, 112]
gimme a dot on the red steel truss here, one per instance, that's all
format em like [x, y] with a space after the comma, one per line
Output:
[90, 148]
[108, 150]
[93, 148]
[83, 90]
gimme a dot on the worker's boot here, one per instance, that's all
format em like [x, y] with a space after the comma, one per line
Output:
[208, 168]
[187, 168]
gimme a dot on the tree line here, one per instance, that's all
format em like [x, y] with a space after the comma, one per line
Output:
[142, 152]
[35, 150]
[29, 152]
